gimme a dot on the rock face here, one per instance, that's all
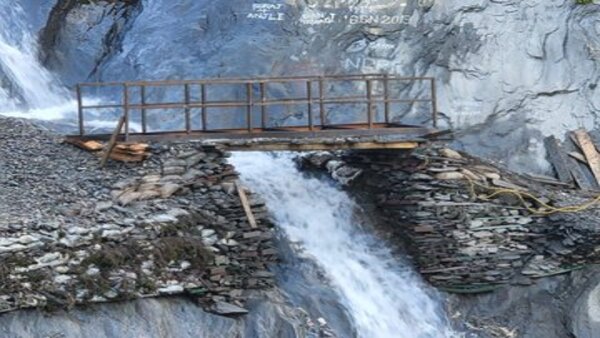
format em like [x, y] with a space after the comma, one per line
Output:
[72, 233]
[559, 306]
[467, 230]
[161, 317]
[586, 312]
[507, 74]
[514, 270]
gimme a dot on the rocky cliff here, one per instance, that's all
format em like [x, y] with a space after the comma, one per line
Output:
[509, 72]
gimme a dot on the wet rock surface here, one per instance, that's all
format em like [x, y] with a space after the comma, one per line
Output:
[472, 225]
[559, 306]
[73, 233]
[515, 272]
[165, 317]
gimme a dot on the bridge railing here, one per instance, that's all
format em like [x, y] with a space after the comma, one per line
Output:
[314, 98]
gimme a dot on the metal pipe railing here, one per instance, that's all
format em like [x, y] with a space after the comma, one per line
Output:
[370, 99]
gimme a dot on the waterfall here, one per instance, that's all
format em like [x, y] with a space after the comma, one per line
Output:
[27, 89]
[383, 296]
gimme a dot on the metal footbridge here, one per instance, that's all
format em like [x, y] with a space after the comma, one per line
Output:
[278, 113]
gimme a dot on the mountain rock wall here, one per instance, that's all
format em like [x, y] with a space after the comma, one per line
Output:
[509, 72]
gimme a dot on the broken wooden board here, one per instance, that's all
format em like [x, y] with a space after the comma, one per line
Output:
[589, 150]
[557, 157]
[547, 180]
[126, 158]
[581, 172]
[113, 141]
[133, 147]
[578, 156]
[507, 185]
[246, 205]
[595, 135]
[128, 152]
[90, 145]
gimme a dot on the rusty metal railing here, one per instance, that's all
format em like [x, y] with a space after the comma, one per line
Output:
[315, 104]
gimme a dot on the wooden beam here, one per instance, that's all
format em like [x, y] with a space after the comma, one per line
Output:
[246, 205]
[589, 150]
[595, 135]
[320, 146]
[581, 172]
[578, 156]
[557, 157]
[90, 145]
[113, 141]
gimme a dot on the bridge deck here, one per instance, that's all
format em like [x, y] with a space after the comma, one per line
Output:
[355, 136]
[369, 101]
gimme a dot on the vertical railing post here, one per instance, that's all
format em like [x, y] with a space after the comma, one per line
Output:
[143, 103]
[126, 109]
[80, 111]
[186, 95]
[321, 103]
[386, 98]
[263, 107]
[309, 97]
[249, 106]
[369, 104]
[203, 100]
[434, 103]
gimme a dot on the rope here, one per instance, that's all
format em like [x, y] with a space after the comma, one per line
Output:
[521, 196]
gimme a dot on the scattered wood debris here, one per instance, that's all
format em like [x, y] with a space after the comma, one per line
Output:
[576, 160]
[91, 145]
[122, 151]
[246, 204]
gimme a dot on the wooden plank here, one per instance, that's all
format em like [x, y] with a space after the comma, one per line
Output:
[579, 175]
[574, 140]
[90, 145]
[595, 135]
[581, 172]
[321, 146]
[133, 147]
[557, 157]
[547, 180]
[246, 205]
[507, 185]
[126, 157]
[589, 150]
[113, 141]
[579, 157]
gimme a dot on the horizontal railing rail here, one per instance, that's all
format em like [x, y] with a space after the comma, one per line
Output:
[314, 99]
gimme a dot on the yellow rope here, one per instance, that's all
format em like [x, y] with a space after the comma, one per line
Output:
[521, 196]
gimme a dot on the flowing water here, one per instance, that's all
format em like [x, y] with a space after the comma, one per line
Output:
[383, 296]
[27, 89]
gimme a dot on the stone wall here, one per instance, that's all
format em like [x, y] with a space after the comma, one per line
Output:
[172, 225]
[434, 201]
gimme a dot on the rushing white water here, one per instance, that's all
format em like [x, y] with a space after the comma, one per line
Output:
[27, 89]
[383, 296]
